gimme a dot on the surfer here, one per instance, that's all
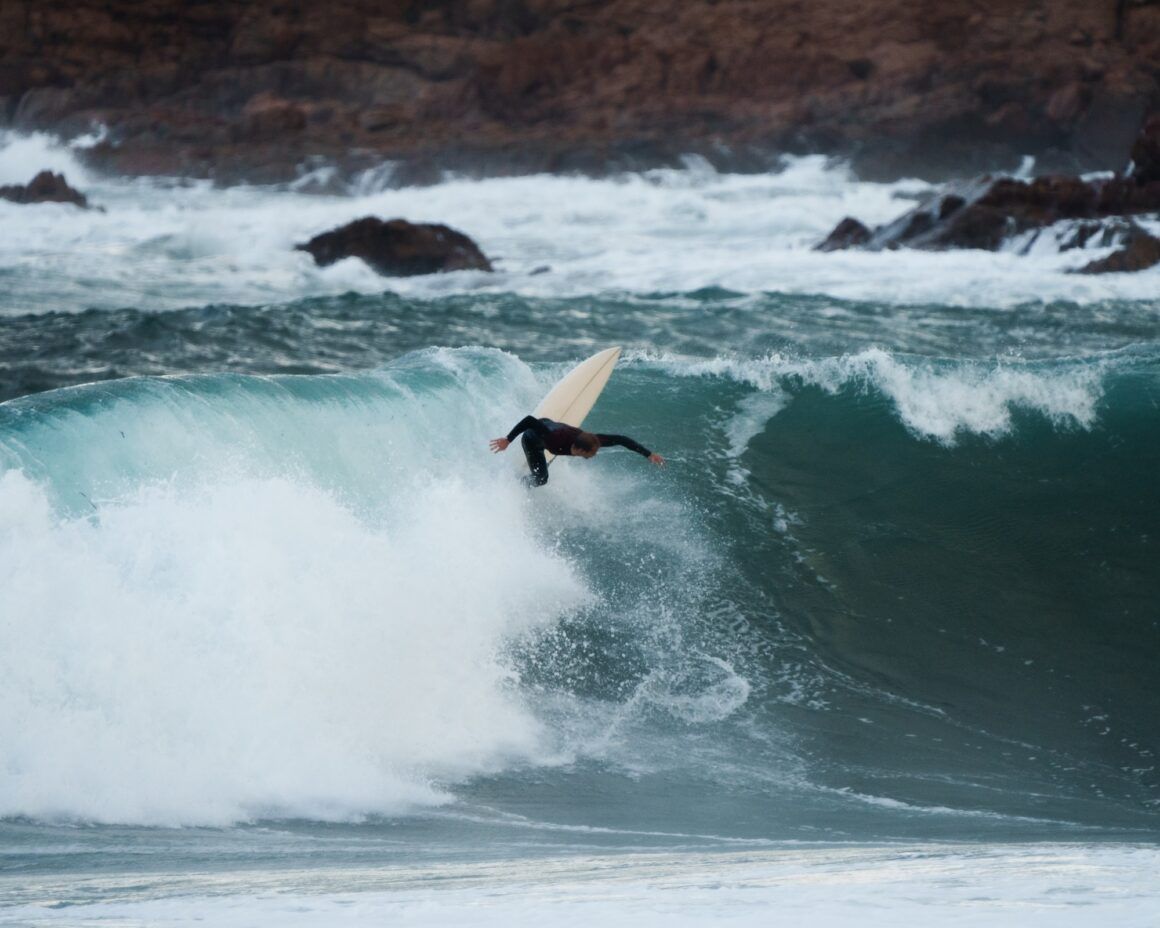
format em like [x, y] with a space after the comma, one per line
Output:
[541, 435]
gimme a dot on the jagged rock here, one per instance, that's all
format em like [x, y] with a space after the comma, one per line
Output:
[987, 212]
[45, 187]
[1096, 234]
[398, 248]
[849, 233]
[1139, 252]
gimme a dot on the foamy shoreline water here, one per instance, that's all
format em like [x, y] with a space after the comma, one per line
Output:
[987, 885]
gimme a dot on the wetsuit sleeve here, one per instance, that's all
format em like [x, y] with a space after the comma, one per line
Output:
[625, 442]
[528, 422]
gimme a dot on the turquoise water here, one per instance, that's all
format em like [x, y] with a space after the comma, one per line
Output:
[871, 596]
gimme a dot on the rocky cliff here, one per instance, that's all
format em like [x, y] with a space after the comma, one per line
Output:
[254, 89]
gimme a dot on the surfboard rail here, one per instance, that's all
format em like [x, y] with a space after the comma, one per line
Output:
[574, 395]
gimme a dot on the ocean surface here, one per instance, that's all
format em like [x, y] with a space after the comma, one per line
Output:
[282, 642]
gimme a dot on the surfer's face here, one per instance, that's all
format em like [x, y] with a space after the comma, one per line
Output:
[579, 452]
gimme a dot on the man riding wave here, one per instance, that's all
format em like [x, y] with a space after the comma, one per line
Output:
[543, 435]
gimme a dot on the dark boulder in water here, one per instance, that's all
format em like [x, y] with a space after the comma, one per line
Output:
[398, 248]
[45, 187]
[849, 233]
[1140, 251]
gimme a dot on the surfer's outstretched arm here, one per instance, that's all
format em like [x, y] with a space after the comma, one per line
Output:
[625, 442]
[527, 422]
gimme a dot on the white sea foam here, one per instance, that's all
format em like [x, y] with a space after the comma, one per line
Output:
[232, 598]
[22, 157]
[941, 402]
[1072, 886]
[936, 400]
[705, 689]
[200, 627]
[165, 245]
[752, 416]
[256, 649]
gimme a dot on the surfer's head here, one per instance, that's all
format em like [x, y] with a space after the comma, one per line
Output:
[585, 445]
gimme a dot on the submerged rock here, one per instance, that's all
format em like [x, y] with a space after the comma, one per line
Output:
[45, 187]
[398, 248]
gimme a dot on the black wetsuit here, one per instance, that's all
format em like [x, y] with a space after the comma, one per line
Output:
[542, 435]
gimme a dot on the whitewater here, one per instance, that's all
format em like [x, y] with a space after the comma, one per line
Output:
[281, 641]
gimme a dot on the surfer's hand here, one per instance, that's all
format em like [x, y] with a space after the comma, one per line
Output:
[499, 444]
[657, 459]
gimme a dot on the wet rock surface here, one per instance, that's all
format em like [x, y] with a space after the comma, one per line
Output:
[849, 233]
[1140, 251]
[45, 187]
[988, 212]
[398, 248]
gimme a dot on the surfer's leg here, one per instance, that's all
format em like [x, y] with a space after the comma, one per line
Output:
[537, 463]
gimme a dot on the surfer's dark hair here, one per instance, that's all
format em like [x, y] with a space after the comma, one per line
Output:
[586, 441]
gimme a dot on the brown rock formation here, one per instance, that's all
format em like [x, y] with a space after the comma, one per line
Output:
[398, 248]
[1140, 251]
[986, 212]
[849, 233]
[250, 88]
[45, 187]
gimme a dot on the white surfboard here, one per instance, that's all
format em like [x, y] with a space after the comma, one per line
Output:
[576, 393]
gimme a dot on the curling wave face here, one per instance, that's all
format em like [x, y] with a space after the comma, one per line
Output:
[874, 594]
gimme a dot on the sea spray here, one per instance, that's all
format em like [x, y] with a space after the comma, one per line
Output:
[167, 244]
[23, 156]
[254, 649]
[232, 638]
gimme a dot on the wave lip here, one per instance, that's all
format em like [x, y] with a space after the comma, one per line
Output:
[935, 399]
[943, 401]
